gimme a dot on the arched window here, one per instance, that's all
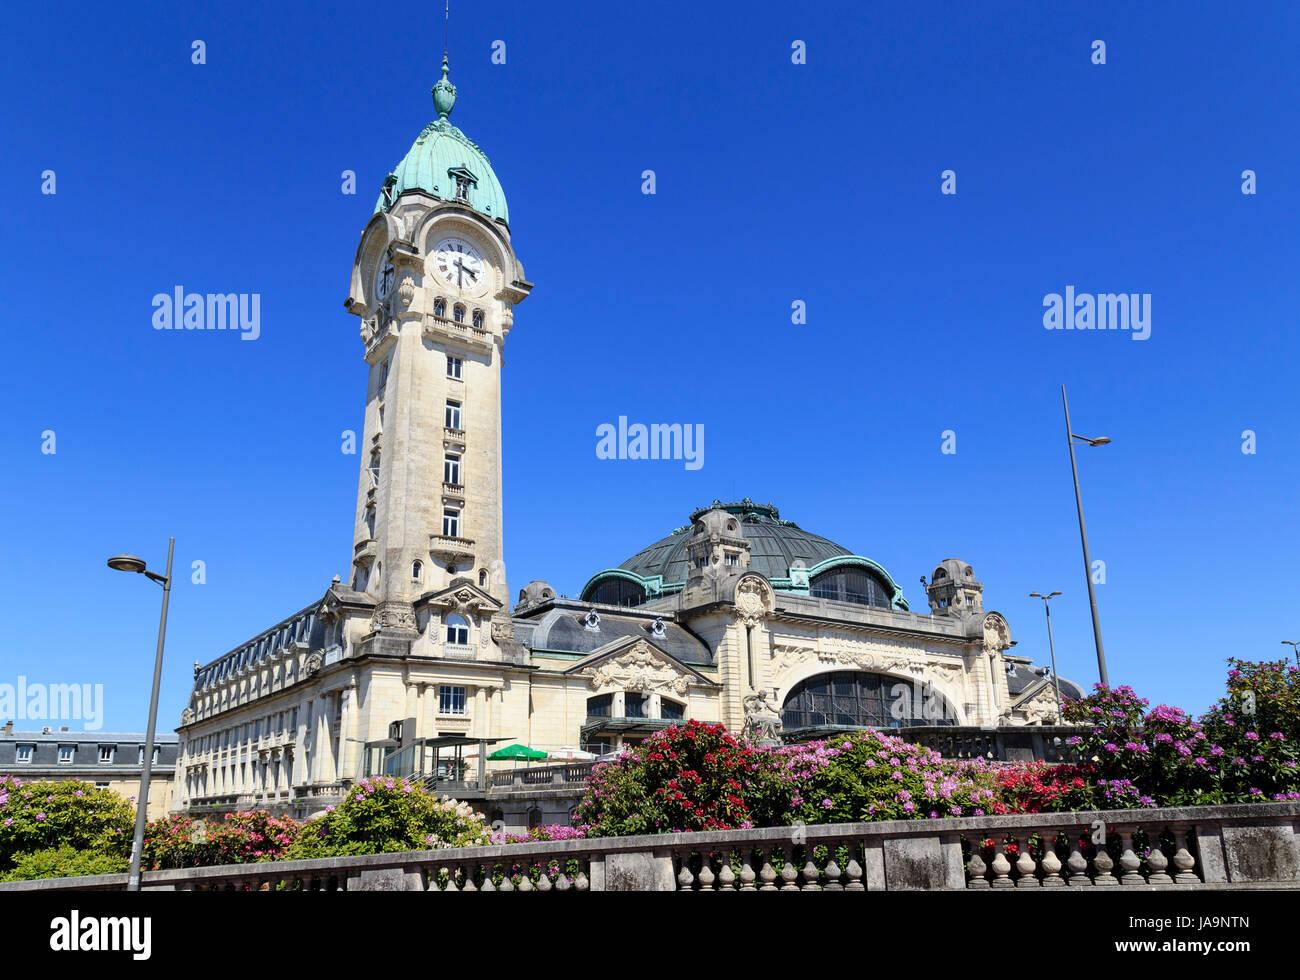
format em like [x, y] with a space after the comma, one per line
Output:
[417, 569]
[852, 584]
[482, 577]
[458, 313]
[440, 307]
[616, 592]
[672, 710]
[478, 318]
[600, 706]
[856, 699]
[457, 630]
[534, 817]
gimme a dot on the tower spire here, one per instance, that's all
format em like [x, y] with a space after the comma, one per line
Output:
[444, 93]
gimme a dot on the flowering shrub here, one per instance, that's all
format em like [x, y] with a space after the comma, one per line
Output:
[42, 815]
[1243, 749]
[64, 862]
[384, 814]
[870, 775]
[555, 831]
[178, 841]
[695, 776]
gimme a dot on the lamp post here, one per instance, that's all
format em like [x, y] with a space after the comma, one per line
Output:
[1083, 535]
[1051, 646]
[1294, 645]
[130, 563]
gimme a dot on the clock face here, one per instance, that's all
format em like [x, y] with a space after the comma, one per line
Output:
[457, 263]
[385, 279]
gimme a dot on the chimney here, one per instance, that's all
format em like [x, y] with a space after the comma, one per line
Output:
[63, 728]
[9, 727]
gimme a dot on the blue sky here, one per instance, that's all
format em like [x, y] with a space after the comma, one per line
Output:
[775, 182]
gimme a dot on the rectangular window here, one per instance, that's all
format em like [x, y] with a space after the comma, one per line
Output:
[454, 366]
[732, 559]
[24, 753]
[633, 705]
[451, 469]
[451, 700]
[101, 786]
[451, 523]
[453, 415]
[65, 753]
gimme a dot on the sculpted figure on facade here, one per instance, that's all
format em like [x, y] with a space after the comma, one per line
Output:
[762, 717]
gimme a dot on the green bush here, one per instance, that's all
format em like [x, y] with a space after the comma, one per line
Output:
[178, 841]
[64, 862]
[380, 815]
[43, 815]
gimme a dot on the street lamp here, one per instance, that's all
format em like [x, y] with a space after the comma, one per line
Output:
[130, 563]
[1052, 647]
[1083, 535]
[1294, 645]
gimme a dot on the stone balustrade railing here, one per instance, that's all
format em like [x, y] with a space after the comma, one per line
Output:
[1241, 846]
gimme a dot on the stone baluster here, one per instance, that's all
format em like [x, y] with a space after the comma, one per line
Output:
[1001, 868]
[788, 871]
[487, 885]
[977, 868]
[468, 886]
[1130, 864]
[1077, 866]
[525, 883]
[746, 870]
[544, 883]
[810, 872]
[1027, 867]
[726, 876]
[506, 884]
[1104, 865]
[562, 883]
[1183, 860]
[766, 874]
[581, 883]
[685, 880]
[1051, 864]
[1157, 862]
[706, 876]
[832, 870]
[853, 870]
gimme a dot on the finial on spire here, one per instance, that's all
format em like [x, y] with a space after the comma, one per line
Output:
[444, 93]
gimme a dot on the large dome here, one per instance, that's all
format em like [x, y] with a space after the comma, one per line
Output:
[775, 545]
[443, 158]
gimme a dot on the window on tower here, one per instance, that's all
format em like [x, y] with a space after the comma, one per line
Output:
[458, 313]
[440, 307]
[478, 318]
[462, 188]
[454, 367]
[451, 469]
[452, 420]
[450, 523]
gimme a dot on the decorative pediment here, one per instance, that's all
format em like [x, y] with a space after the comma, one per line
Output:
[463, 598]
[755, 600]
[637, 665]
[1037, 703]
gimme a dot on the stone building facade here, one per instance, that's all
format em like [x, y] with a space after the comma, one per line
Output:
[736, 613]
[108, 760]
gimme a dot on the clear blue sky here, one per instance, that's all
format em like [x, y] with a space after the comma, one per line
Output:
[776, 183]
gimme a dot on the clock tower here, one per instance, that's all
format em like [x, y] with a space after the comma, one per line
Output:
[435, 282]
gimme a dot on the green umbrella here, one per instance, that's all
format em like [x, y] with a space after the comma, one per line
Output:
[517, 751]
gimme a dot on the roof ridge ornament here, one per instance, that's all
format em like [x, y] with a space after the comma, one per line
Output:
[444, 92]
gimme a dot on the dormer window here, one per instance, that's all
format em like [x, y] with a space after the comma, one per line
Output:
[657, 628]
[591, 621]
[462, 181]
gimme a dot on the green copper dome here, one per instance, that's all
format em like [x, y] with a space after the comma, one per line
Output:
[446, 163]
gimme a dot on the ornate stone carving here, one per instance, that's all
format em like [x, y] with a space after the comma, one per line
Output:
[314, 663]
[754, 600]
[187, 716]
[639, 669]
[393, 614]
[762, 718]
[406, 292]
